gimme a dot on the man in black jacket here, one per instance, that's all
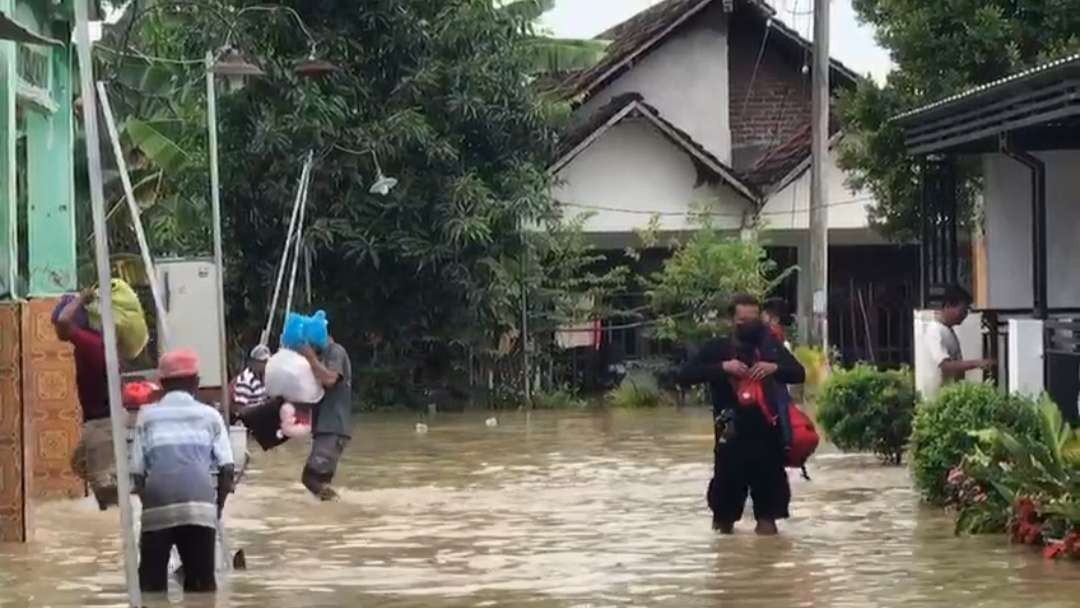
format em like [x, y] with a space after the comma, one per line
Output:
[750, 448]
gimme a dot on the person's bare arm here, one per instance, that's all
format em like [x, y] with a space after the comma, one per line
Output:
[65, 321]
[326, 376]
[958, 368]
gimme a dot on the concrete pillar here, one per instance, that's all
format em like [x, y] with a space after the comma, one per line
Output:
[1026, 357]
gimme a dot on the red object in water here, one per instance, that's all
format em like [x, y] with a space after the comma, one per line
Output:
[140, 393]
[804, 437]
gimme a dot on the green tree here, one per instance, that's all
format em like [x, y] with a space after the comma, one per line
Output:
[434, 94]
[939, 48]
[690, 294]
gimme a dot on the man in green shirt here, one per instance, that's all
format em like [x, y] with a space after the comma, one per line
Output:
[331, 417]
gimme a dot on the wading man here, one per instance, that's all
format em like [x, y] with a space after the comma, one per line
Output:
[179, 445]
[751, 437]
[331, 418]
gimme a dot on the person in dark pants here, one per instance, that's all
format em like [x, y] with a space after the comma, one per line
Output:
[331, 426]
[178, 444]
[750, 445]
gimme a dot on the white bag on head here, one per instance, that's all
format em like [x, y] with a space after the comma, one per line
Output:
[289, 376]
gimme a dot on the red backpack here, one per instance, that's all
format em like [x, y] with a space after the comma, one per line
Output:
[804, 437]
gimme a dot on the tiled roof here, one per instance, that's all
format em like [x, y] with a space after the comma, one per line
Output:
[642, 32]
[778, 162]
[633, 104]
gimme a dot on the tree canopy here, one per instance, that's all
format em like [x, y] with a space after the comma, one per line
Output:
[939, 48]
[431, 93]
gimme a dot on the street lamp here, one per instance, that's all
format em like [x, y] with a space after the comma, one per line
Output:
[236, 69]
[383, 184]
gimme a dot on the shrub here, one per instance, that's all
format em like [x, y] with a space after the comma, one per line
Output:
[560, 397]
[943, 428]
[864, 409]
[639, 389]
[816, 364]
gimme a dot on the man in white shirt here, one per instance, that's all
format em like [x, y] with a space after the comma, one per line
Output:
[942, 362]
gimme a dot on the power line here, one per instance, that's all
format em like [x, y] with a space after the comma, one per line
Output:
[651, 212]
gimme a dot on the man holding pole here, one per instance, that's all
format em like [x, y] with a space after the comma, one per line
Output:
[179, 444]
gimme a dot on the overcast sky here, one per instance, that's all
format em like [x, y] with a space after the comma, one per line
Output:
[852, 43]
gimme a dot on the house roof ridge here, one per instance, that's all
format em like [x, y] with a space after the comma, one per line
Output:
[645, 30]
[622, 106]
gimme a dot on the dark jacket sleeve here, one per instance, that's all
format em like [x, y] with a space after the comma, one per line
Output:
[790, 370]
[705, 366]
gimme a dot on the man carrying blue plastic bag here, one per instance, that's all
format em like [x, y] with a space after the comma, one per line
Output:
[331, 417]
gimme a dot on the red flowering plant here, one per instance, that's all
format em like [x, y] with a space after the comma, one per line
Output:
[1039, 480]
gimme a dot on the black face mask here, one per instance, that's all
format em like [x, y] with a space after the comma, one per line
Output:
[750, 332]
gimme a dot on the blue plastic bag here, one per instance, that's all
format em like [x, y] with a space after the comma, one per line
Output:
[301, 330]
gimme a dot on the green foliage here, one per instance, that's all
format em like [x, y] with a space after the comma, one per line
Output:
[865, 409]
[433, 94]
[816, 363]
[691, 292]
[639, 389]
[942, 431]
[547, 54]
[558, 398]
[940, 48]
[1039, 467]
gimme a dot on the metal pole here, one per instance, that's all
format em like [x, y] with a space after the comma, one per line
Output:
[299, 241]
[215, 205]
[819, 210]
[288, 241]
[164, 337]
[117, 414]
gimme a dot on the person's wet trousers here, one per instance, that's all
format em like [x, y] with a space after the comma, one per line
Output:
[748, 461]
[196, 545]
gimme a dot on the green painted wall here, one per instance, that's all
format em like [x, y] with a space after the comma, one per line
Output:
[50, 229]
[51, 186]
[8, 215]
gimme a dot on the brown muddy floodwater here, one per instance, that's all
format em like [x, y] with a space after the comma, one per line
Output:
[553, 510]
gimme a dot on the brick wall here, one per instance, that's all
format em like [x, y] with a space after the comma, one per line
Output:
[770, 107]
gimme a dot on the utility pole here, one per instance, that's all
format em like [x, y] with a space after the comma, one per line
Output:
[819, 158]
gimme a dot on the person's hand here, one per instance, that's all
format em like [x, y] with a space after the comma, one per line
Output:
[736, 368]
[87, 295]
[987, 364]
[763, 369]
[307, 351]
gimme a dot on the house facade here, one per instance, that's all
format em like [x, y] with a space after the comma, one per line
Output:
[39, 413]
[1024, 133]
[706, 104]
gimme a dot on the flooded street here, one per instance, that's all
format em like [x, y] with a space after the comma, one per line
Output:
[553, 509]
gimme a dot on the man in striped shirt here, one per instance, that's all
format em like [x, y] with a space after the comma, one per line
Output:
[249, 389]
[179, 444]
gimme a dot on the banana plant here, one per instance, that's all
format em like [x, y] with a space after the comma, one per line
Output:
[550, 54]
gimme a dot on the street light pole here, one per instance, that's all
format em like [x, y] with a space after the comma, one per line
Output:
[819, 194]
[215, 205]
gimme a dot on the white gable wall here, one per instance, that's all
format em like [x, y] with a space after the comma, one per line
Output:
[1007, 224]
[789, 207]
[633, 171]
[686, 79]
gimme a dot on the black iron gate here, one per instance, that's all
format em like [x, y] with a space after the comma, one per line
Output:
[1063, 364]
[938, 246]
